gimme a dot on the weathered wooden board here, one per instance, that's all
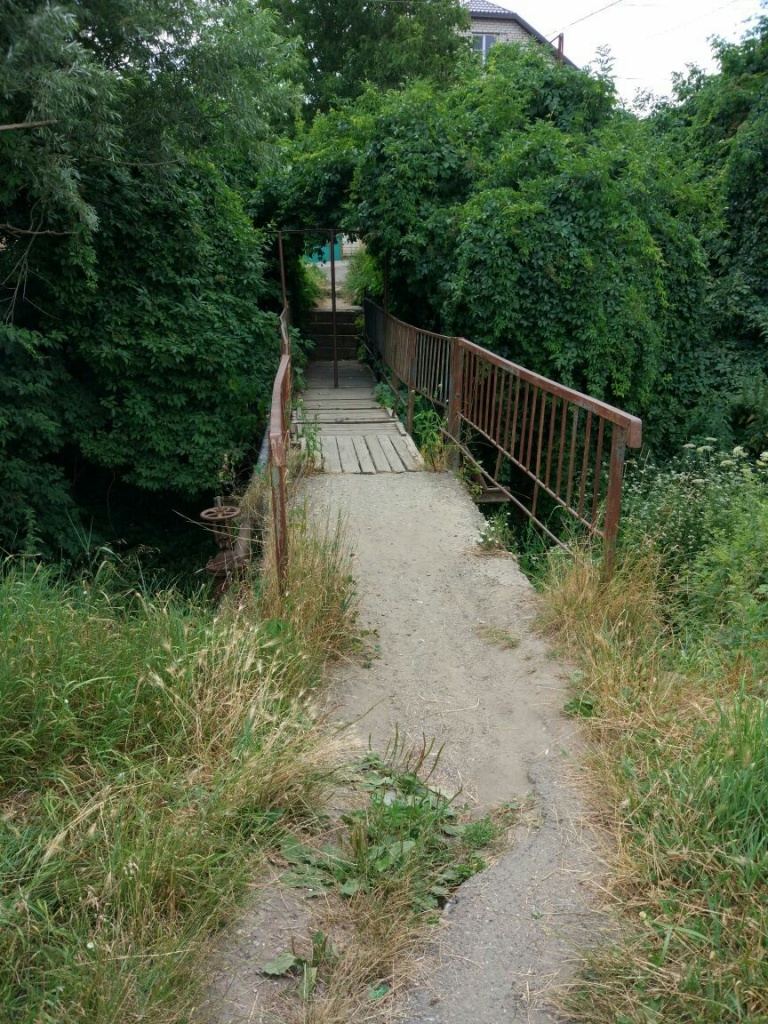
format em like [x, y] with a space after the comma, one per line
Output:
[348, 456]
[363, 455]
[394, 460]
[331, 460]
[379, 459]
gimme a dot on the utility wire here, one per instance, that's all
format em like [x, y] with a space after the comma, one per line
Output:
[692, 21]
[586, 17]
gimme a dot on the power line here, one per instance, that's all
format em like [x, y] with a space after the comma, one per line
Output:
[586, 17]
[692, 21]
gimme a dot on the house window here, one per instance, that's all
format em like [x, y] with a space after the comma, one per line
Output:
[482, 44]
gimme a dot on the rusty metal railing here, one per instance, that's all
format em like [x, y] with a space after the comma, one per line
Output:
[279, 446]
[570, 446]
[232, 560]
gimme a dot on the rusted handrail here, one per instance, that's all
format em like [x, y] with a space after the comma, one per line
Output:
[570, 445]
[279, 445]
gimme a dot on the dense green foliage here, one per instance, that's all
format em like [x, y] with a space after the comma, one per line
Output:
[350, 43]
[719, 126]
[133, 335]
[521, 207]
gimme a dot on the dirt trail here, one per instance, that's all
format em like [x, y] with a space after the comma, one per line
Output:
[511, 932]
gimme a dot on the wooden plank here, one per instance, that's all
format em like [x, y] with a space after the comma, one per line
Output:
[351, 392]
[405, 455]
[350, 416]
[395, 463]
[348, 456]
[337, 429]
[363, 455]
[325, 373]
[331, 460]
[321, 400]
[379, 459]
[413, 451]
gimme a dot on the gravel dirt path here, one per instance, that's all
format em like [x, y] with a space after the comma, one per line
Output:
[512, 933]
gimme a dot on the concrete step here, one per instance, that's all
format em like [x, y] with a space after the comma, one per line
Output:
[343, 316]
[326, 331]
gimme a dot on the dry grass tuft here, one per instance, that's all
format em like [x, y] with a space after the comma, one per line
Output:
[680, 771]
[320, 601]
[504, 638]
[153, 753]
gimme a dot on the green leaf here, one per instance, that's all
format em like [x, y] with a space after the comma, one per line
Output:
[308, 982]
[296, 853]
[281, 965]
[315, 881]
[453, 830]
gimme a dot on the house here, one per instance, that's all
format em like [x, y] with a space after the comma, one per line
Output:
[493, 24]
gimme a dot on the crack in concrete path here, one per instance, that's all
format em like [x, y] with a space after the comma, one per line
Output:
[512, 933]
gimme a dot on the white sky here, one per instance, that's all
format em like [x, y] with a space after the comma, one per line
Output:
[649, 39]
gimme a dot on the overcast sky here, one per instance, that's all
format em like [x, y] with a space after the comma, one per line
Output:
[649, 39]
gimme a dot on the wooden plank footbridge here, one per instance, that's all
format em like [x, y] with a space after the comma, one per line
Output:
[351, 431]
[533, 442]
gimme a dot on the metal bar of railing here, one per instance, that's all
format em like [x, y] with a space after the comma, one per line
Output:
[533, 423]
[279, 446]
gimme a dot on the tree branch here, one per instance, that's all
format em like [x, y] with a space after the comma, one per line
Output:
[13, 230]
[25, 124]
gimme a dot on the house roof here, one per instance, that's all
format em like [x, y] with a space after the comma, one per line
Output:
[480, 9]
[483, 7]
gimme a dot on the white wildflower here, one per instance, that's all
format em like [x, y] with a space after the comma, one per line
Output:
[739, 452]
[689, 445]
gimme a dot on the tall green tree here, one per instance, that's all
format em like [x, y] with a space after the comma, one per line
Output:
[718, 125]
[131, 276]
[350, 43]
[520, 207]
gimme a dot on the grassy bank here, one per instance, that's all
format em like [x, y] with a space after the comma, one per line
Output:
[152, 752]
[672, 681]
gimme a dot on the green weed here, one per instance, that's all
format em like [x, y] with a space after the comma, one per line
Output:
[385, 395]
[496, 533]
[151, 753]
[672, 657]
[389, 864]
[504, 638]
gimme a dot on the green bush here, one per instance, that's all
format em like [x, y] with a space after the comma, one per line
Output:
[727, 582]
[364, 278]
[683, 506]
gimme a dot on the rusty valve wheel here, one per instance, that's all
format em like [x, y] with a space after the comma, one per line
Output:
[220, 514]
[221, 519]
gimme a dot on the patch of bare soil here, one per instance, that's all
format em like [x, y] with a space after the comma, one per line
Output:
[458, 660]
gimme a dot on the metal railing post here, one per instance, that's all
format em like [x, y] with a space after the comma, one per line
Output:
[455, 389]
[410, 358]
[613, 499]
[333, 313]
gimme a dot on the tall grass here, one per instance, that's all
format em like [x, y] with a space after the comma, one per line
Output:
[672, 682]
[151, 752]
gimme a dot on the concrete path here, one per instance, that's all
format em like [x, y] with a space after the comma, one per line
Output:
[439, 608]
